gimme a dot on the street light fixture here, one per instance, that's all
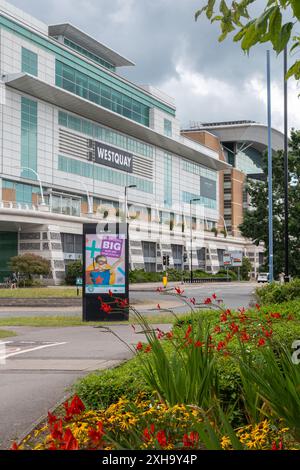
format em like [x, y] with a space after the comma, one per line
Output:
[126, 188]
[191, 237]
[39, 180]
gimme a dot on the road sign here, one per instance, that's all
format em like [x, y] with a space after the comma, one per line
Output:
[226, 258]
[79, 281]
[237, 258]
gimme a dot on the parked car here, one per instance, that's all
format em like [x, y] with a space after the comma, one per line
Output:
[263, 277]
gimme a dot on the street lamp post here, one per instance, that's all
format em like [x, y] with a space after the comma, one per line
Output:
[286, 174]
[125, 202]
[191, 238]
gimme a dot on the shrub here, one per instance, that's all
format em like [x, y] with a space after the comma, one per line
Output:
[29, 265]
[278, 293]
[73, 271]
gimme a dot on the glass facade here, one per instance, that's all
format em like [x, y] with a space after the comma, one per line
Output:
[168, 127]
[167, 180]
[29, 62]
[248, 161]
[28, 138]
[93, 90]
[65, 204]
[98, 132]
[24, 193]
[100, 173]
[205, 201]
[89, 54]
[197, 169]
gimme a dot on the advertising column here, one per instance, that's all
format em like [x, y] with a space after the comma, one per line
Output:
[105, 265]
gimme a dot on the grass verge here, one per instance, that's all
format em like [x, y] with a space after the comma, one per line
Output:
[7, 334]
[38, 292]
[60, 321]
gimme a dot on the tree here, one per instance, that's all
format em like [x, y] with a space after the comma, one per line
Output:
[74, 270]
[255, 224]
[269, 26]
[29, 264]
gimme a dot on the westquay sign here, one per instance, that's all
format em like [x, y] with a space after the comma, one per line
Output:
[113, 157]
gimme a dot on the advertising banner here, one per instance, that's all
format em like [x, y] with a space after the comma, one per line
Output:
[226, 259]
[113, 157]
[237, 258]
[105, 272]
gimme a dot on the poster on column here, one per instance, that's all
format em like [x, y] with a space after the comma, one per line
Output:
[105, 272]
[105, 263]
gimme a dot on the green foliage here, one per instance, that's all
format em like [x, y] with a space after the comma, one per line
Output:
[30, 264]
[245, 269]
[268, 26]
[99, 390]
[73, 271]
[139, 275]
[278, 293]
[255, 223]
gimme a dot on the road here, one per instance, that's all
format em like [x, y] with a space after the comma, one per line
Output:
[233, 294]
[42, 363]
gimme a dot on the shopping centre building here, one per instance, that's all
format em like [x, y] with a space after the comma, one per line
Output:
[75, 134]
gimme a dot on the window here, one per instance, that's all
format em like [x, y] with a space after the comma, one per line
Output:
[28, 138]
[82, 85]
[89, 54]
[29, 62]
[102, 133]
[149, 249]
[168, 127]
[168, 180]
[177, 252]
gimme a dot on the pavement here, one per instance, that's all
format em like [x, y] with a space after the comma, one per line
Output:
[42, 364]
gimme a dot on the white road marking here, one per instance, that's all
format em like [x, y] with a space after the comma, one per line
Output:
[33, 349]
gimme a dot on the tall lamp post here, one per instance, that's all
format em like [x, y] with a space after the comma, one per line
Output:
[125, 209]
[191, 237]
[286, 174]
[40, 183]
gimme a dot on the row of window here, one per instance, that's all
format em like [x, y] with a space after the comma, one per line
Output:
[107, 175]
[29, 62]
[167, 180]
[89, 54]
[197, 169]
[102, 133]
[93, 90]
[204, 201]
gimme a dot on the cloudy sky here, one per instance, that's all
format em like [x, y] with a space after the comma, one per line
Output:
[209, 81]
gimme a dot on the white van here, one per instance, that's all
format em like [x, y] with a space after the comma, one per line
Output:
[263, 277]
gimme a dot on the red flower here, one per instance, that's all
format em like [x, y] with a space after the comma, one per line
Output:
[261, 342]
[214, 296]
[170, 334]
[193, 301]
[110, 293]
[14, 446]
[139, 346]
[188, 332]
[160, 334]
[106, 308]
[76, 407]
[161, 438]
[267, 333]
[148, 349]
[207, 301]
[228, 312]
[96, 435]
[223, 317]
[242, 309]
[123, 303]
[217, 329]
[290, 317]
[234, 327]
[158, 306]
[274, 445]
[56, 430]
[257, 306]
[221, 345]
[70, 443]
[159, 289]
[198, 344]
[179, 291]
[52, 446]
[244, 336]
[275, 315]
[191, 439]
[148, 434]
[51, 418]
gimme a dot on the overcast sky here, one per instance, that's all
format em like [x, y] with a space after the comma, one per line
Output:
[209, 81]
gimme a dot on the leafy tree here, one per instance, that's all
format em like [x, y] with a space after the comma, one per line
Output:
[74, 270]
[30, 264]
[255, 224]
[269, 26]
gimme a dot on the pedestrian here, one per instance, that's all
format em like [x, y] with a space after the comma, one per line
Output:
[14, 281]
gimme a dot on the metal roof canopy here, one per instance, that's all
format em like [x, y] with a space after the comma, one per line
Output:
[87, 42]
[86, 109]
[252, 132]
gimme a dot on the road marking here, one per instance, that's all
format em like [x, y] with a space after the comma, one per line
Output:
[33, 349]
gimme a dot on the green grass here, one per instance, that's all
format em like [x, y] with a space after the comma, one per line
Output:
[60, 321]
[39, 292]
[7, 334]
